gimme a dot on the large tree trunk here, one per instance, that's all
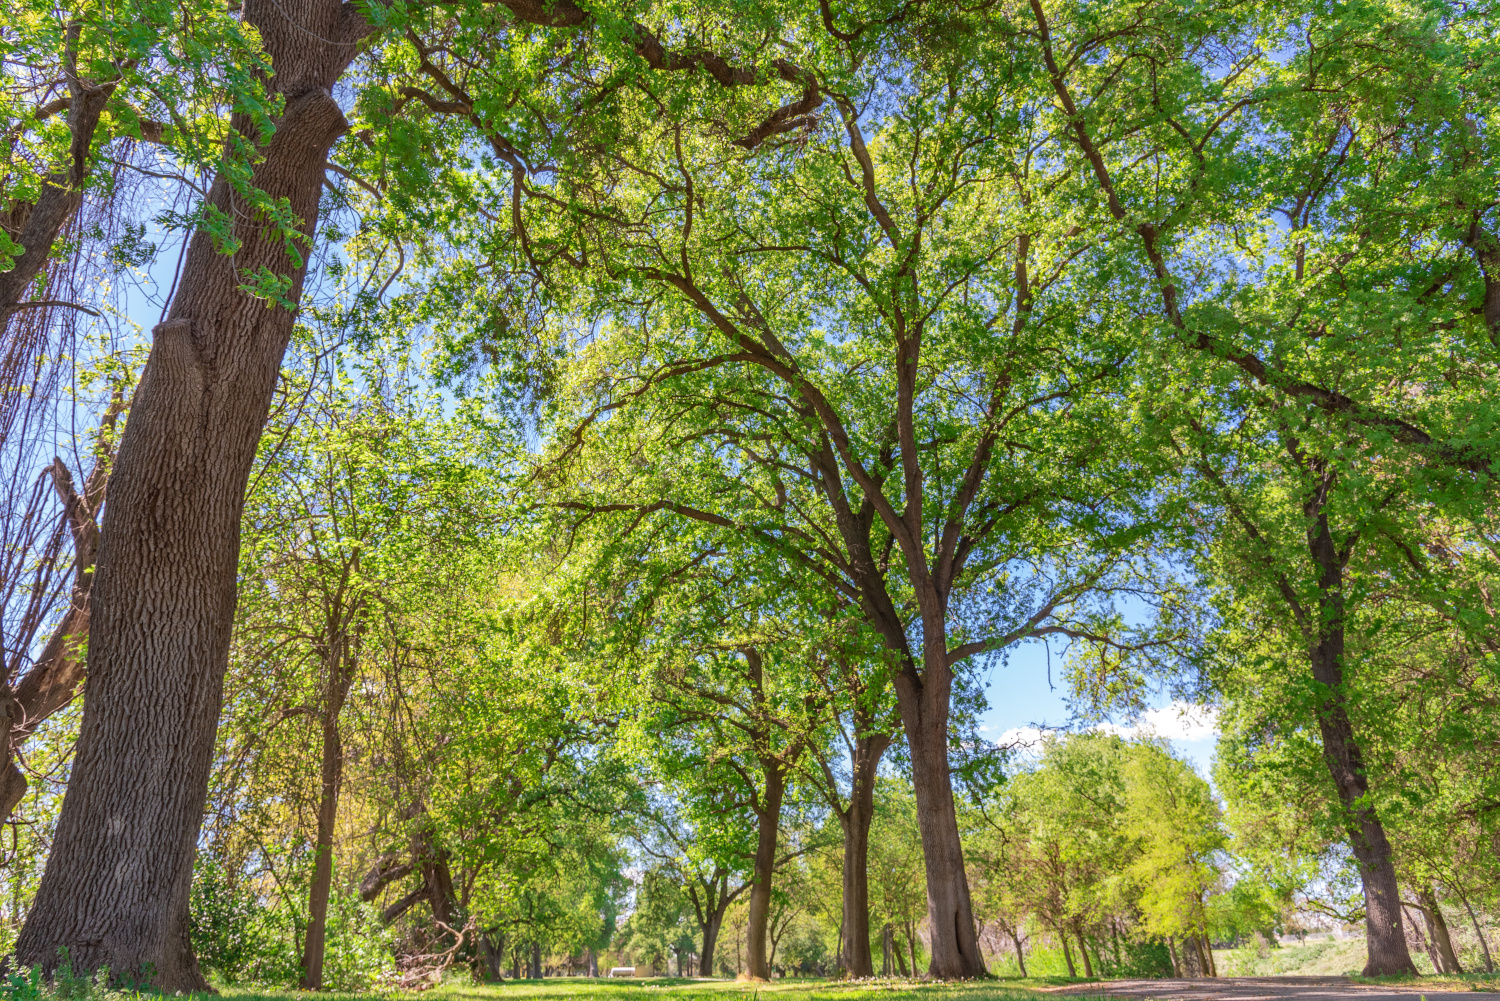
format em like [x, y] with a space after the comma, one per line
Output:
[341, 675]
[924, 706]
[768, 816]
[115, 891]
[1385, 938]
[868, 749]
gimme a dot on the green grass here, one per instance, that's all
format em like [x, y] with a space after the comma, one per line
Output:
[672, 989]
[1328, 958]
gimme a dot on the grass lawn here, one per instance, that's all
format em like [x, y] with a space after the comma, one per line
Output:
[672, 989]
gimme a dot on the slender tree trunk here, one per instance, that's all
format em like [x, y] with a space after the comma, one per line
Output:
[340, 676]
[1062, 936]
[1172, 952]
[768, 816]
[925, 704]
[536, 960]
[887, 947]
[1428, 942]
[1484, 945]
[1384, 936]
[1208, 952]
[1083, 949]
[1015, 938]
[116, 886]
[911, 946]
[1437, 926]
[858, 962]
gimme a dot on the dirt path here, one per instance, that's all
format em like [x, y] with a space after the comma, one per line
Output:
[1260, 989]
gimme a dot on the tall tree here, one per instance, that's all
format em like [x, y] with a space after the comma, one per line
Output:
[165, 578]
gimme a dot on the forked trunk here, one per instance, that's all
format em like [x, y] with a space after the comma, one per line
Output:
[1015, 938]
[924, 706]
[768, 816]
[1067, 952]
[115, 891]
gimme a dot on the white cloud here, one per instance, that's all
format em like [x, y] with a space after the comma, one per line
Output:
[1177, 721]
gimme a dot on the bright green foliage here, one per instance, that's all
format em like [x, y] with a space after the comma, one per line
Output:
[1173, 818]
[172, 72]
[1101, 840]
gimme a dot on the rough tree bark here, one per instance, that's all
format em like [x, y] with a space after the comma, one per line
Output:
[924, 706]
[115, 891]
[339, 660]
[116, 886]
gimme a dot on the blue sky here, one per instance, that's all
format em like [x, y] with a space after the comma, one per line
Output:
[1021, 700]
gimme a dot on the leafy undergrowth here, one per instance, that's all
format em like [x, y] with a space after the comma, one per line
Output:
[1328, 958]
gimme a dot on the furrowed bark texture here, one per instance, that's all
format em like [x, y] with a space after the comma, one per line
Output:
[115, 891]
[924, 714]
[1385, 937]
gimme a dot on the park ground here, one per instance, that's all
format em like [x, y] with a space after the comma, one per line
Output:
[1305, 981]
